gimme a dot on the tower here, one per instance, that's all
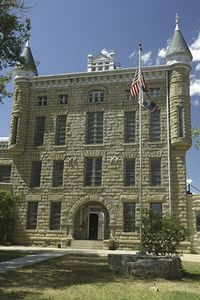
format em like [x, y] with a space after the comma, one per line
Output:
[179, 58]
[22, 73]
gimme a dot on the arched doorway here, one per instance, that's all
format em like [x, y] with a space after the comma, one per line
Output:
[91, 222]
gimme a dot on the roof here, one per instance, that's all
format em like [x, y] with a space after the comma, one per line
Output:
[178, 44]
[29, 64]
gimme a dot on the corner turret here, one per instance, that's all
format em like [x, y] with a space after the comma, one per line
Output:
[28, 68]
[178, 51]
[179, 58]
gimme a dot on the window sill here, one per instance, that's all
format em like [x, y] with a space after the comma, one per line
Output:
[91, 188]
[54, 231]
[61, 187]
[58, 147]
[39, 147]
[130, 144]
[130, 187]
[132, 233]
[158, 188]
[155, 142]
[94, 145]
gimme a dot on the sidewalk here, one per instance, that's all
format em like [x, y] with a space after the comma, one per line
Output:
[39, 254]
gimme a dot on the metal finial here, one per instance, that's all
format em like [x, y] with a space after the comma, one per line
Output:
[177, 22]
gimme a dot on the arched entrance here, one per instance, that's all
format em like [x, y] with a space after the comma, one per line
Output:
[91, 222]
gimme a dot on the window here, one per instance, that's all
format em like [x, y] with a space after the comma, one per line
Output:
[63, 99]
[198, 220]
[96, 97]
[60, 130]
[5, 172]
[155, 172]
[154, 93]
[128, 95]
[93, 171]
[129, 172]
[36, 173]
[129, 127]
[39, 131]
[156, 207]
[42, 101]
[180, 121]
[32, 215]
[154, 128]
[94, 128]
[15, 129]
[129, 217]
[55, 216]
[58, 167]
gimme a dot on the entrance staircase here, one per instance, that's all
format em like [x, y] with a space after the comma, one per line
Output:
[87, 244]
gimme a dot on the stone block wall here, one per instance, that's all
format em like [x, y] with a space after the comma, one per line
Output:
[112, 194]
[193, 208]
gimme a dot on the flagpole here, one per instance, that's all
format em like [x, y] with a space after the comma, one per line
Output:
[140, 143]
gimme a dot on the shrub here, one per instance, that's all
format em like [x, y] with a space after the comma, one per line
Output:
[6, 214]
[161, 235]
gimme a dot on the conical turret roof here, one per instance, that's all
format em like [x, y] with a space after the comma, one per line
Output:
[26, 68]
[29, 63]
[178, 45]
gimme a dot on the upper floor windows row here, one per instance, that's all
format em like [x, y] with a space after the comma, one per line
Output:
[96, 96]
[43, 101]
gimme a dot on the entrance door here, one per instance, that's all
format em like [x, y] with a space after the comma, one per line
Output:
[93, 226]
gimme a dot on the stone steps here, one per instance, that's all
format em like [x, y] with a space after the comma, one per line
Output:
[87, 244]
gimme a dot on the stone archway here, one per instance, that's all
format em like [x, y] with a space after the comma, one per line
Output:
[91, 222]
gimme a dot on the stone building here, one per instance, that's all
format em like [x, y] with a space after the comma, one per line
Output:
[73, 151]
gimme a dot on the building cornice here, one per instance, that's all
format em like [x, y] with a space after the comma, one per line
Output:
[104, 77]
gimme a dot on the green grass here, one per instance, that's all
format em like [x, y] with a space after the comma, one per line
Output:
[88, 278]
[7, 255]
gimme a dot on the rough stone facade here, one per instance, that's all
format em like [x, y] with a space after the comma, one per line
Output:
[71, 209]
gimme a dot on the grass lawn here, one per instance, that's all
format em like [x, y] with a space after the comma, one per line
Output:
[7, 255]
[88, 278]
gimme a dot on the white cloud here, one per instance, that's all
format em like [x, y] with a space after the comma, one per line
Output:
[195, 49]
[162, 52]
[161, 55]
[146, 58]
[194, 86]
[195, 102]
[197, 67]
[131, 56]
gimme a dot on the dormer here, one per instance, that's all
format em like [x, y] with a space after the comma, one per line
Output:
[104, 61]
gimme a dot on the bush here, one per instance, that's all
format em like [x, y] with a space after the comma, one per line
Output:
[6, 214]
[161, 235]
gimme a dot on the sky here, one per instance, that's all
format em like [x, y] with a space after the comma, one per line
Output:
[64, 32]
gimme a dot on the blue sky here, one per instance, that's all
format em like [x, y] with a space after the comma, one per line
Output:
[64, 32]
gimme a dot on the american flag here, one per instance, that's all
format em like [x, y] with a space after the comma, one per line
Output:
[135, 85]
[134, 91]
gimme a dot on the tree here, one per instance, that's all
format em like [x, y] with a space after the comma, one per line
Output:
[196, 136]
[14, 32]
[161, 235]
[6, 214]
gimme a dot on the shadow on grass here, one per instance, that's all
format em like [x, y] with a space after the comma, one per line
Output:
[63, 272]
[56, 274]
[18, 295]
